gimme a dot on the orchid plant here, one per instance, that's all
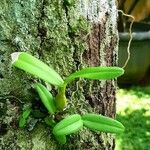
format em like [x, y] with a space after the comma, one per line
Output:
[75, 122]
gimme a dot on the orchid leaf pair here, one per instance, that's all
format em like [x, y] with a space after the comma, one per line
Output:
[94, 122]
[74, 122]
[32, 65]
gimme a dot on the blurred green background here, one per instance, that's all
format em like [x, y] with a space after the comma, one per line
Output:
[133, 97]
[133, 110]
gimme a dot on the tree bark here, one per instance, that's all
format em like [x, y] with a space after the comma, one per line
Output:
[68, 35]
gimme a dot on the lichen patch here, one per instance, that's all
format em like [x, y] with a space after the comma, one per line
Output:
[94, 10]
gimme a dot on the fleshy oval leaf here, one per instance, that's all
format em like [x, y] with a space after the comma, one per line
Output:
[101, 123]
[68, 125]
[46, 97]
[96, 73]
[34, 66]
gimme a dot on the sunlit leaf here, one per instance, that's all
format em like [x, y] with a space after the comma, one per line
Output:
[101, 123]
[36, 67]
[96, 73]
[68, 125]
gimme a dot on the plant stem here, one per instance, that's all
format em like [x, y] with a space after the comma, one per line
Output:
[61, 100]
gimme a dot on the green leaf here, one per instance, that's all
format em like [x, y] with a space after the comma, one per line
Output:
[24, 117]
[46, 97]
[26, 113]
[49, 121]
[61, 139]
[22, 122]
[68, 125]
[102, 123]
[96, 73]
[36, 67]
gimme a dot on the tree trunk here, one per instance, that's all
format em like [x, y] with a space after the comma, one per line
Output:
[67, 35]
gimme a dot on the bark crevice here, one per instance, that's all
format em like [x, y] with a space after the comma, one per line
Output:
[42, 31]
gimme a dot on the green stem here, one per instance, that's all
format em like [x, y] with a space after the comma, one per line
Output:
[61, 100]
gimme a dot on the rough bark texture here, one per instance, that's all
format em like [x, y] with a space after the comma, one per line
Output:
[68, 35]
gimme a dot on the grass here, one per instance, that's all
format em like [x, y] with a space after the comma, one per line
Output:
[133, 110]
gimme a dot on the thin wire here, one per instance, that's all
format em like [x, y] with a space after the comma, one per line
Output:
[131, 37]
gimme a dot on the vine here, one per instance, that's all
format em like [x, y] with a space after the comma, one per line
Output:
[131, 37]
